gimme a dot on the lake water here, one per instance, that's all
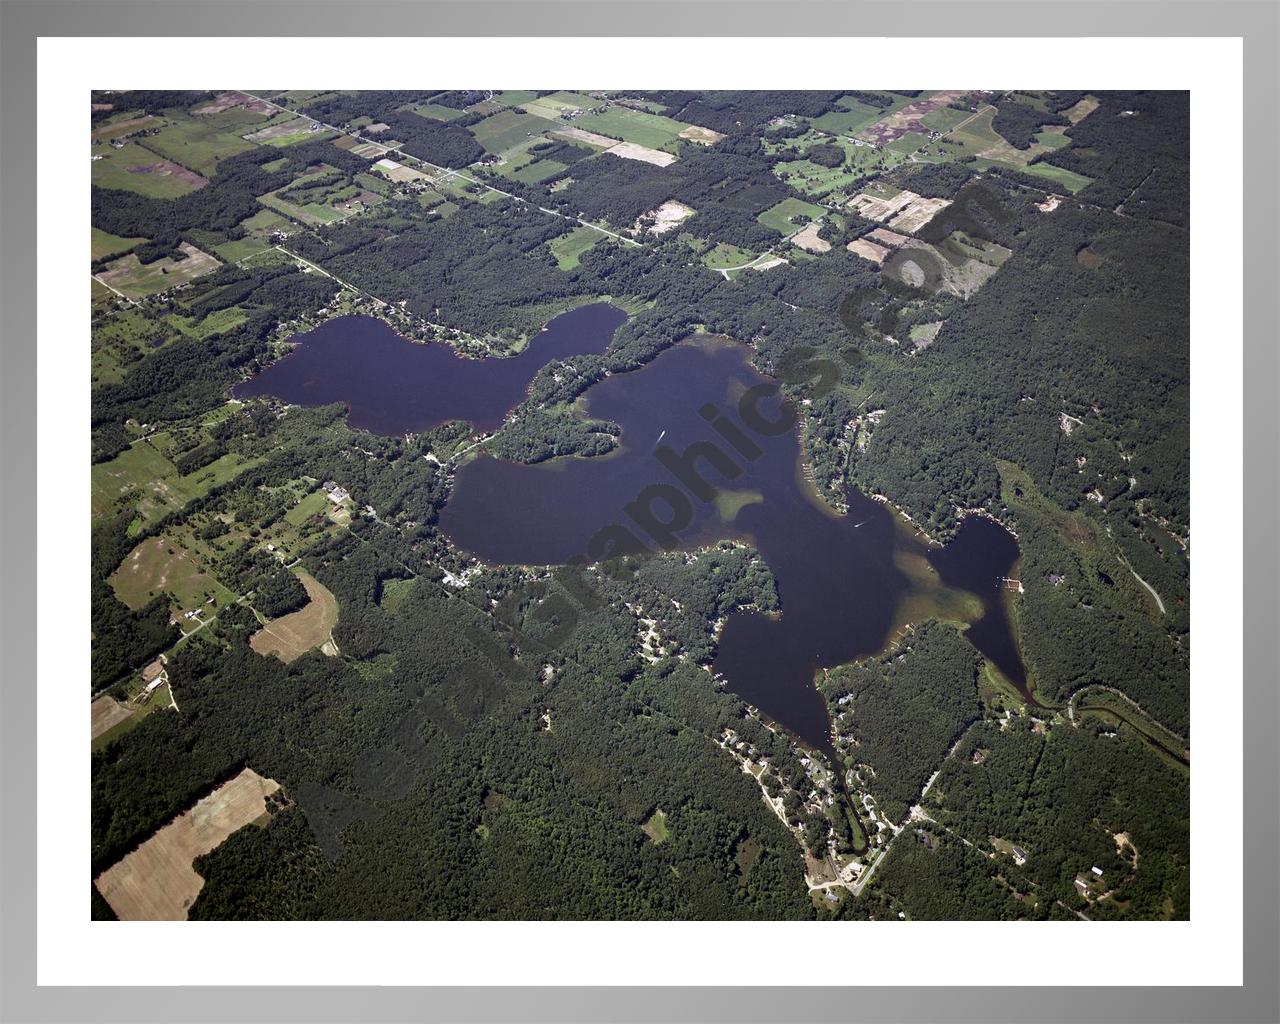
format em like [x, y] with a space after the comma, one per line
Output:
[706, 453]
[394, 387]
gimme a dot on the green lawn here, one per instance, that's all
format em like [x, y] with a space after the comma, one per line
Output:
[782, 216]
[316, 501]
[568, 248]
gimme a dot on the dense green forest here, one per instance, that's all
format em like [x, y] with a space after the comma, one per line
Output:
[491, 741]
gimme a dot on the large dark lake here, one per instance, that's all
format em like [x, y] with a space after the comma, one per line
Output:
[393, 387]
[707, 452]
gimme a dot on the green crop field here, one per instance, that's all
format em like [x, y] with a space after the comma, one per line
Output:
[537, 170]
[781, 217]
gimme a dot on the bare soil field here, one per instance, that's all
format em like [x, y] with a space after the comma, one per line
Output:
[585, 137]
[398, 171]
[868, 250]
[665, 217]
[809, 241]
[117, 128]
[918, 213]
[292, 635]
[884, 236]
[106, 713]
[156, 882]
[227, 100]
[1081, 110]
[875, 208]
[277, 131]
[632, 151]
[167, 168]
[706, 136]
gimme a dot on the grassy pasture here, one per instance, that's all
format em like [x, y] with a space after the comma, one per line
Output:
[943, 119]
[537, 171]
[159, 565]
[436, 111]
[723, 255]
[553, 105]
[143, 474]
[135, 279]
[567, 249]
[781, 217]
[115, 168]
[315, 503]
[507, 130]
[200, 143]
[853, 117]
[638, 126]
[105, 244]
[515, 97]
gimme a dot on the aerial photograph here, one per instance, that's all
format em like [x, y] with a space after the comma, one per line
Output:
[618, 505]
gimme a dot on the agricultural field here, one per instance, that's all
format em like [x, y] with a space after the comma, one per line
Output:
[291, 636]
[851, 119]
[650, 130]
[258, 230]
[143, 476]
[508, 131]
[534, 171]
[135, 169]
[105, 244]
[567, 249]
[160, 565]
[557, 103]
[782, 217]
[134, 279]
[157, 882]
[200, 143]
